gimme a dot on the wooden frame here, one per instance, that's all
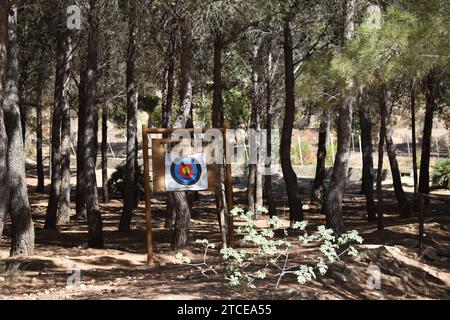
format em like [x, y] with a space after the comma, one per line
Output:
[147, 190]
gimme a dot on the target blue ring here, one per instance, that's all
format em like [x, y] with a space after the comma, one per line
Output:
[194, 176]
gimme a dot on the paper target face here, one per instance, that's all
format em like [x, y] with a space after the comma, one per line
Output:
[186, 173]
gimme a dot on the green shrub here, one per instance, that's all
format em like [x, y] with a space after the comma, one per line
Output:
[116, 184]
[441, 173]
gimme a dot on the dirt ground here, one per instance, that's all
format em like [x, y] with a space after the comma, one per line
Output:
[119, 272]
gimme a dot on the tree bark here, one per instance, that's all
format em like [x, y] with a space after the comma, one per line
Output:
[268, 177]
[179, 199]
[413, 138]
[382, 137]
[59, 102]
[431, 85]
[105, 192]
[318, 187]
[66, 140]
[217, 112]
[95, 234]
[4, 185]
[81, 213]
[402, 201]
[367, 157]
[130, 181]
[335, 193]
[290, 178]
[39, 158]
[254, 183]
[169, 82]
[22, 243]
[218, 121]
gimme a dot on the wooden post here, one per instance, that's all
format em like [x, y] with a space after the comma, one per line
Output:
[148, 209]
[228, 190]
[421, 222]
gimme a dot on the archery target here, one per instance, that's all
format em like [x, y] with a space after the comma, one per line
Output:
[186, 173]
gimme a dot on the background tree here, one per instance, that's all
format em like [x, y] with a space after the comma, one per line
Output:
[22, 224]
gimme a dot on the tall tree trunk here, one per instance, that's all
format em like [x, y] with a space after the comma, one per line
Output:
[59, 102]
[105, 193]
[4, 185]
[217, 112]
[268, 177]
[318, 187]
[382, 137]
[367, 157]
[402, 201]
[130, 181]
[431, 85]
[60, 109]
[39, 92]
[255, 124]
[413, 138]
[179, 199]
[290, 178]
[218, 121]
[335, 193]
[95, 233]
[22, 223]
[169, 81]
[66, 140]
[169, 84]
[81, 212]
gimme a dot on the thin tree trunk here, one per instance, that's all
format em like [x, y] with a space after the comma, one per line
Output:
[318, 187]
[105, 193]
[382, 137]
[4, 185]
[254, 125]
[402, 201]
[60, 99]
[217, 112]
[290, 178]
[413, 138]
[66, 140]
[268, 177]
[430, 97]
[335, 193]
[169, 84]
[22, 243]
[130, 181]
[39, 158]
[81, 213]
[367, 156]
[95, 234]
[219, 122]
[179, 200]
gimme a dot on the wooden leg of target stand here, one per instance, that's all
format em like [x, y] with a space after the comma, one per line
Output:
[148, 209]
[229, 191]
[421, 222]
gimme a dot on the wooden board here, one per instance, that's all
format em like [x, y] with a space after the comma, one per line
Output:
[159, 149]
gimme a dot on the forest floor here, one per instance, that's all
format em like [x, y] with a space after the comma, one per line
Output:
[119, 272]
